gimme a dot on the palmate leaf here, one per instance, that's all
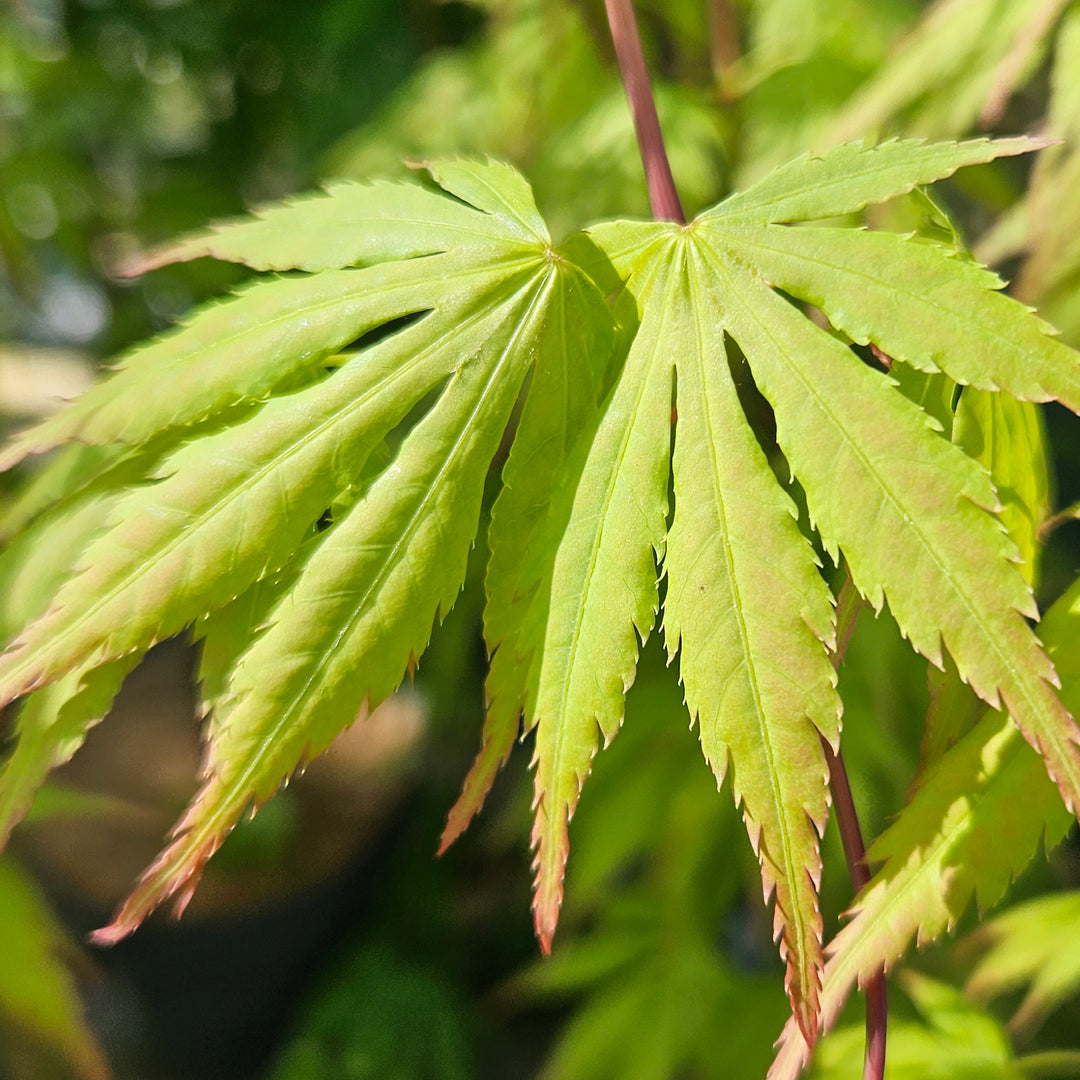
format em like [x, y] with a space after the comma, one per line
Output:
[880, 486]
[528, 516]
[745, 603]
[315, 573]
[237, 503]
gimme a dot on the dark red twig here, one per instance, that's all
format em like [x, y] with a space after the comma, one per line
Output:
[848, 605]
[663, 197]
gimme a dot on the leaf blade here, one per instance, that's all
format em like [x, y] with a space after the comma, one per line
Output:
[849, 177]
[918, 302]
[604, 594]
[749, 614]
[362, 608]
[907, 510]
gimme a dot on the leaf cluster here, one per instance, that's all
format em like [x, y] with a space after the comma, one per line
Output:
[298, 473]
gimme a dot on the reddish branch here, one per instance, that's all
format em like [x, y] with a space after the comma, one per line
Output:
[663, 197]
[848, 605]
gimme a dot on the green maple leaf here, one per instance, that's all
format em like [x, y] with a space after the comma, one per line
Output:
[258, 507]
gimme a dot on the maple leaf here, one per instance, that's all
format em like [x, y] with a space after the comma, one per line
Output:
[258, 506]
[744, 604]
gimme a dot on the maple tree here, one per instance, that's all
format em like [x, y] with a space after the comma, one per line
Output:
[297, 473]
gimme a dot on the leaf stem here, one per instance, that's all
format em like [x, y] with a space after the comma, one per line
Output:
[1070, 513]
[848, 606]
[1050, 1063]
[663, 197]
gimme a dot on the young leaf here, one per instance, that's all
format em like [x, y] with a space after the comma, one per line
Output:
[529, 515]
[340, 568]
[749, 621]
[350, 224]
[918, 302]
[234, 505]
[243, 349]
[603, 596]
[748, 612]
[849, 177]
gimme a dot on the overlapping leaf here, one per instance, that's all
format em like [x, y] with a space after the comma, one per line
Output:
[237, 504]
[960, 835]
[361, 608]
[906, 508]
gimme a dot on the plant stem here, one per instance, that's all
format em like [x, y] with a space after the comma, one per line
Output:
[663, 197]
[1070, 513]
[848, 606]
[1050, 1063]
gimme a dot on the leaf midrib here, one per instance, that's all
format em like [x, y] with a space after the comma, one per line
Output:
[764, 734]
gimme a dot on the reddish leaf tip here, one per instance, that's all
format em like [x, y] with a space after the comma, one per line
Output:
[107, 936]
[545, 922]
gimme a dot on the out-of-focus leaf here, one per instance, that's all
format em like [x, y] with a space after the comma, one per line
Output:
[37, 990]
[1008, 437]
[962, 56]
[379, 1017]
[1035, 947]
[954, 1040]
